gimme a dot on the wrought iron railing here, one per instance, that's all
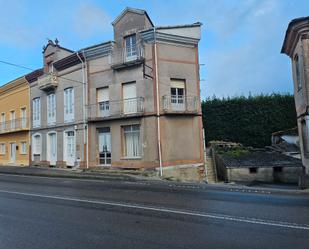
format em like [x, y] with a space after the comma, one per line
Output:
[180, 103]
[118, 108]
[14, 125]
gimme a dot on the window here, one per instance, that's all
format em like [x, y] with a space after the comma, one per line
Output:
[131, 141]
[51, 109]
[278, 169]
[12, 120]
[2, 149]
[131, 48]
[36, 109]
[305, 135]
[23, 148]
[2, 125]
[129, 98]
[253, 170]
[36, 146]
[103, 101]
[69, 104]
[177, 94]
[23, 117]
[298, 70]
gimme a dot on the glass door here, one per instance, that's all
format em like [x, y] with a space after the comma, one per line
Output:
[105, 154]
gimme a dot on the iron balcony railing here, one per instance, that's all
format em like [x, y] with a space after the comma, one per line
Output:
[48, 81]
[14, 125]
[180, 103]
[116, 109]
[127, 55]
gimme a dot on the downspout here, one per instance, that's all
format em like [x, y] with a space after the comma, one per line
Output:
[158, 104]
[84, 104]
[86, 114]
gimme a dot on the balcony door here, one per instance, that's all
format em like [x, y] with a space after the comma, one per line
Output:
[178, 95]
[131, 48]
[12, 120]
[105, 154]
[129, 98]
[23, 117]
[103, 102]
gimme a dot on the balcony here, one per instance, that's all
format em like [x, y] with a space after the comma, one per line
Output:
[127, 56]
[48, 82]
[14, 125]
[116, 109]
[180, 104]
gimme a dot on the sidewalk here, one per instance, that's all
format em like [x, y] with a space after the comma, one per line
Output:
[136, 176]
[72, 173]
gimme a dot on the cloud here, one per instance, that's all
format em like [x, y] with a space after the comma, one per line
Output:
[90, 19]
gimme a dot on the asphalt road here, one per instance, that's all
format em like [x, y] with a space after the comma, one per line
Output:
[38, 212]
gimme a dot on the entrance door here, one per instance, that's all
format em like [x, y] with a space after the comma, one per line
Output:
[12, 152]
[69, 148]
[105, 154]
[52, 148]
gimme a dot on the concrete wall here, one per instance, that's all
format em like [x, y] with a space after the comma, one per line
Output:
[288, 175]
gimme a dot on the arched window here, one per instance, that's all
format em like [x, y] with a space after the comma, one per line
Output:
[36, 144]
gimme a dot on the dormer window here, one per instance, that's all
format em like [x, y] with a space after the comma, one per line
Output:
[298, 69]
[130, 47]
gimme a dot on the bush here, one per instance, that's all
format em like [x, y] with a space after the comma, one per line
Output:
[248, 120]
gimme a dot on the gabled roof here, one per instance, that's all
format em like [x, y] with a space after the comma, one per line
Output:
[51, 43]
[295, 27]
[132, 10]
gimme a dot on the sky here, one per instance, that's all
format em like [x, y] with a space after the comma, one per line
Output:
[239, 50]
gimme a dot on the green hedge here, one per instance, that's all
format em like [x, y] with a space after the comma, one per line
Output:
[248, 120]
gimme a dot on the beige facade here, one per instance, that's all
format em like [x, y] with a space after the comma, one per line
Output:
[14, 123]
[133, 102]
[296, 46]
[163, 75]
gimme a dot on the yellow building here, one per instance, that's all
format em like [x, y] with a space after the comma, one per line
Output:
[14, 123]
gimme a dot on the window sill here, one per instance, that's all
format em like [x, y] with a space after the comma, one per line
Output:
[131, 158]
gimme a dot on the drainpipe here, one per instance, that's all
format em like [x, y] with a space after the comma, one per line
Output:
[86, 114]
[158, 105]
[84, 104]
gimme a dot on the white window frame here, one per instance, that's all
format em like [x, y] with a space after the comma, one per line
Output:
[68, 108]
[65, 149]
[36, 148]
[23, 148]
[36, 112]
[2, 120]
[130, 47]
[23, 117]
[51, 109]
[128, 132]
[2, 149]
[12, 120]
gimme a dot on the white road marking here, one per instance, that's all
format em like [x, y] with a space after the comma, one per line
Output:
[169, 210]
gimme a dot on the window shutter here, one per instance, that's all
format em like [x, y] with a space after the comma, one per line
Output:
[177, 83]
